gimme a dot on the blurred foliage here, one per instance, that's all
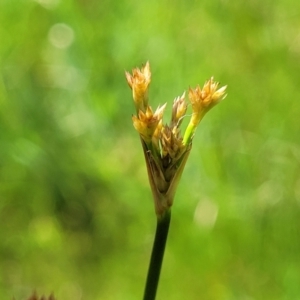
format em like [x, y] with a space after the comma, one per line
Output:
[75, 205]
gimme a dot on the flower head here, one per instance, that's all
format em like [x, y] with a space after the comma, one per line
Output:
[139, 82]
[147, 122]
[204, 99]
[165, 149]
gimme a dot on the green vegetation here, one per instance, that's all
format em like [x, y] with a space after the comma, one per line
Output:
[76, 210]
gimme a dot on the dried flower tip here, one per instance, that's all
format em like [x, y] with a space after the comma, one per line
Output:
[211, 94]
[139, 82]
[219, 95]
[178, 110]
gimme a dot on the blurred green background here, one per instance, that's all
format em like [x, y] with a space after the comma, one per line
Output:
[76, 213]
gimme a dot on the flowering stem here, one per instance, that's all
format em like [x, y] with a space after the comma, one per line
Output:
[161, 235]
[188, 135]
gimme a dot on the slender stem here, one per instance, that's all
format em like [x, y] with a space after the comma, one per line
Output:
[161, 235]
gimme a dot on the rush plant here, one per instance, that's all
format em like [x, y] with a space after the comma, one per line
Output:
[166, 151]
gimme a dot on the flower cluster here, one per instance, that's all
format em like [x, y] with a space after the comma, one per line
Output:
[165, 149]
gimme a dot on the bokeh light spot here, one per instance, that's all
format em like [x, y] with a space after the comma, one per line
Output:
[206, 214]
[61, 36]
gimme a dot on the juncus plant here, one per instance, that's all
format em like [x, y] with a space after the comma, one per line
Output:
[166, 151]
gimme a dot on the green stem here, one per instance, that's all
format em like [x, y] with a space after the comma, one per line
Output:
[161, 235]
[189, 132]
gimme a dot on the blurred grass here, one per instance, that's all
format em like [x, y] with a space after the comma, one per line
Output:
[75, 205]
